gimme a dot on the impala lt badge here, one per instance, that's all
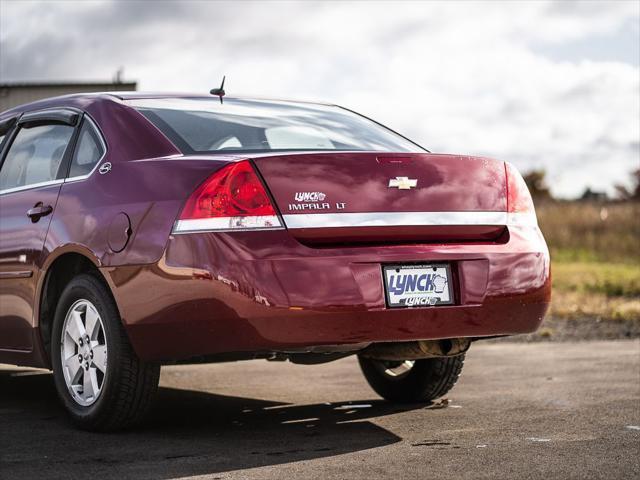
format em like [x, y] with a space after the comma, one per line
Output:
[403, 183]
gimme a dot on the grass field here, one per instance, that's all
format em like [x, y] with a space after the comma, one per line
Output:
[595, 253]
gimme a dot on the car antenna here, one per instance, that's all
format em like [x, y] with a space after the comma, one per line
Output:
[219, 91]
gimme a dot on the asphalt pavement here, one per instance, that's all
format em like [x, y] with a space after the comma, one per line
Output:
[540, 410]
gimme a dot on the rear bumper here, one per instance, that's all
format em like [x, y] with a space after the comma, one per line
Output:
[264, 291]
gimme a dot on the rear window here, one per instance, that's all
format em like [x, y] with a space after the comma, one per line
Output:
[199, 125]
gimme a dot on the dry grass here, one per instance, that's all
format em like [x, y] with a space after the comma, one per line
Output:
[588, 278]
[609, 291]
[579, 305]
[595, 253]
[592, 232]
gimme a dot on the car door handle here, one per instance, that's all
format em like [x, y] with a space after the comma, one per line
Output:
[39, 210]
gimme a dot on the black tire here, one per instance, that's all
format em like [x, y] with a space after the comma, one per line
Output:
[427, 380]
[128, 385]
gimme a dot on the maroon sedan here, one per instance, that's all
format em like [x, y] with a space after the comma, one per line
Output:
[138, 230]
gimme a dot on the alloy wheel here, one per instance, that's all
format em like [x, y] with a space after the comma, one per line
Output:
[83, 351]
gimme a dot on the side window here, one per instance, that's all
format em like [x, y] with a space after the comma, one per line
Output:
[35, 155]
[88, 152]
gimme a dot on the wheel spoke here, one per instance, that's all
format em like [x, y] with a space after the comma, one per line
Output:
[408, 364]
[92, 323]
[397, 369]
[69, 344]
[72, 366]
[90, 384]
[75, 328]
[100, 357]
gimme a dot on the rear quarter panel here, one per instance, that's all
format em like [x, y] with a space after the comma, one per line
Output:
[148, 182]
[149, 192]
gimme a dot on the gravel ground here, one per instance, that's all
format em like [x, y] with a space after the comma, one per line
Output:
[539, 410]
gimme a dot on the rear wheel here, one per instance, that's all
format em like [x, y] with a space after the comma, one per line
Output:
[100, 380]
[412, 380]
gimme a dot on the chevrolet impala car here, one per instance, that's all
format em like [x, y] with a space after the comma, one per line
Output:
[138, 230]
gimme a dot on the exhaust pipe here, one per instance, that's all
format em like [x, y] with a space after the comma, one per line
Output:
[398, 351]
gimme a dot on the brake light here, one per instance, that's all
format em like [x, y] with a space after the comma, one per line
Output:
[519, 202]
[233, 198]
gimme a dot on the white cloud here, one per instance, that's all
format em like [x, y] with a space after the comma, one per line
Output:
[466, 77]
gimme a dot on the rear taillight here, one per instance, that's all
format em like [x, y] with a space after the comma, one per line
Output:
[233, 198]
[519, 203]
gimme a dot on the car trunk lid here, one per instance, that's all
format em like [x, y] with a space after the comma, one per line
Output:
[373, 197]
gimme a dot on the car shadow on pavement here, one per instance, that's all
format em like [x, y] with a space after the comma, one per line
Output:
[188, 433]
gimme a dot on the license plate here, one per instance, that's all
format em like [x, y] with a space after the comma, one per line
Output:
[418, 285]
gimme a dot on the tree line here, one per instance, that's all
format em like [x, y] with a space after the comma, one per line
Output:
[537, 182]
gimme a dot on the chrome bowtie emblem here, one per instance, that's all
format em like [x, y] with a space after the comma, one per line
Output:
[403, 183]
[104, 168]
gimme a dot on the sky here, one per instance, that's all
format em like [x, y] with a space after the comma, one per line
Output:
[551, 85]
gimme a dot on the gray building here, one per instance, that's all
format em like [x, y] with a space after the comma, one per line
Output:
[14, 94]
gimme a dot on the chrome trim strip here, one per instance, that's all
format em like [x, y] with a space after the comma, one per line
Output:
[523, 219]
[32, 185]
[16, 274]
[386, 219]
[14, 350]
[227, 224]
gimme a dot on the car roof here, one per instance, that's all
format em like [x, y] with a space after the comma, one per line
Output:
[83, 100]
[135, 95]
